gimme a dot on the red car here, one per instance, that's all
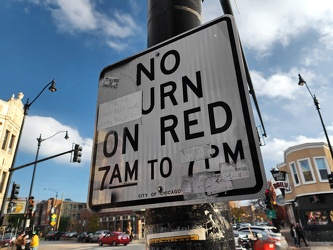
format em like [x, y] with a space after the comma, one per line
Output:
[114, 239]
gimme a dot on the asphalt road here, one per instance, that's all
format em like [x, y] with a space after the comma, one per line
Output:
[73, 244]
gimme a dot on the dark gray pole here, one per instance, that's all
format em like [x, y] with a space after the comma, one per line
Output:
[166, 19]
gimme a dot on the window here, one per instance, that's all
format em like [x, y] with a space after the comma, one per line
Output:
[306, 170]
[288, 189]
[294, 173]
[2, 181]
[316, 218]
[11, 143]
[5, 139]
[322, 168]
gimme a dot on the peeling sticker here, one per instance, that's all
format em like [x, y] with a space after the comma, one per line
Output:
[119, 111]
[206, 182]
[210, 183]
[109, 81]
[232, 171]
[196, 153]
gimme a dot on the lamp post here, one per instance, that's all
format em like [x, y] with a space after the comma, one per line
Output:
[26, 108]
[40, 140]
[301, 82]
[54, 202]
[55, 210]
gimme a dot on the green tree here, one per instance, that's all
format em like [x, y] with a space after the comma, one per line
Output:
[93, 224]
[237, 213]
[64, 223]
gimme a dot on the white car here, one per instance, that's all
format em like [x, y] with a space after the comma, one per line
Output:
[273, 232]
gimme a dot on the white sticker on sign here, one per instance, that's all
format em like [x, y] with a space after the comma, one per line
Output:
[120, 110]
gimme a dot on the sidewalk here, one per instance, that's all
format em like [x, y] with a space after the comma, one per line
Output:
[312, 245]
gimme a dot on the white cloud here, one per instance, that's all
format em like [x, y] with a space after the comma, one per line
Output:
[53, 143]
[273, 152]
[75, 15]
[263, 24]
[82, 16]
[276, 85]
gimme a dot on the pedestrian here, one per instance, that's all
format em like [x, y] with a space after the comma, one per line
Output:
[34, 241]
[300, 235]
[20, 241]
[294, 234]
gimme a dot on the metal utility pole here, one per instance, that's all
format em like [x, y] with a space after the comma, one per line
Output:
[166, 19]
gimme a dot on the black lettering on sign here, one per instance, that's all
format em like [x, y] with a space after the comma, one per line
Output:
[197, 90]
[170, 93]
[169, 128]
[163, 67]
[239, 151]
[140, 68]
[113, 145]
[212, 120]
[165, 167]
[134, 142]
[152, 173]
[130, 173]
[166, 174]
[150, 74]
[234, 155]
[110, 143]
[188, 123]
[152, 102]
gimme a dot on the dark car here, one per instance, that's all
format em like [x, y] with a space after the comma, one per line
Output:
[84, 237]
[114, 239]
[53, 235]
[7, 240]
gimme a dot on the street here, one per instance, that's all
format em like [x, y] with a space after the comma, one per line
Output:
[72, 244]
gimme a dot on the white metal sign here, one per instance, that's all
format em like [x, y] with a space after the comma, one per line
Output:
[174, 125]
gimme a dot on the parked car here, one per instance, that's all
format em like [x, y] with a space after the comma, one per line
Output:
[98, 234]
[53, 235]
[262, 241]
[270, 229]
[238, 242]
[84, 237]
[242, 240]
[268, 232]
[72, 235]
[7, 240]
[114, 239]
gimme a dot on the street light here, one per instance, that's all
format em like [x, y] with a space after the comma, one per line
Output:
[40, 140]
[54, 202]
[54, 210]
[52, 88]
[301, 82]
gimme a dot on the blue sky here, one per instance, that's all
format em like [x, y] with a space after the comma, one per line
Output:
[72, 41]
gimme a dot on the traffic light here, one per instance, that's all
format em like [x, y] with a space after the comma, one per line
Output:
[330, 179]
[31, 204]
[15, 192]
[267, 199]
[77, 153]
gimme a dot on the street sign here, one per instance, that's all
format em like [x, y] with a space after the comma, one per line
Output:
[271, 214]
[174, 125]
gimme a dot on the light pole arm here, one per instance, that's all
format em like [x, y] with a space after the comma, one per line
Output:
[44, 159]
[52, 89]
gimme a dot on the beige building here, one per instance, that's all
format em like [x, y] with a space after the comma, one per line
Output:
[11, 116]
[117, 221]
[309, 198]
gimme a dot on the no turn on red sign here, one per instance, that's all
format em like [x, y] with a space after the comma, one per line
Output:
[174, 125]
